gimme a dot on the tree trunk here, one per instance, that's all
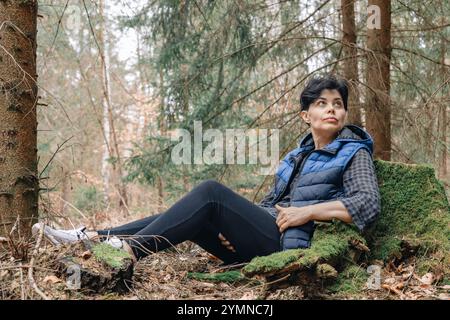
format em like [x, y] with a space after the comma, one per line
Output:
[19, 185]
[106, 170]
[442, 119]
[163, 131]
[108, 119]
[350, 66]
[378, 112]
[95, 267]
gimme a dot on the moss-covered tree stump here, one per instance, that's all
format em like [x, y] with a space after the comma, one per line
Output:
[96, 267]
[414, 220]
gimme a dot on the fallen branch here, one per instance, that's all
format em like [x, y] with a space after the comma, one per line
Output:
[22, 291]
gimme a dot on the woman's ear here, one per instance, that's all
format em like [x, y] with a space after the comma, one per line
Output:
[305, 116]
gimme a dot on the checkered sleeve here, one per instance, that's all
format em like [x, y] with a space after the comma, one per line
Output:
[361, 193]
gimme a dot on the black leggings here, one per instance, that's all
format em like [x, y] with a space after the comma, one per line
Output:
[209, 209]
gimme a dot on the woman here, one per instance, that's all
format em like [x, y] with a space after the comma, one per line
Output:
[329, 176]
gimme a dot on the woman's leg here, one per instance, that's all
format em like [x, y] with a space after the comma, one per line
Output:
[209, 209]
[128, 229]
[206, 238]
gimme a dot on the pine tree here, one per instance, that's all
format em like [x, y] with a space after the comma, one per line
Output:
[378, 113]
[19, 182]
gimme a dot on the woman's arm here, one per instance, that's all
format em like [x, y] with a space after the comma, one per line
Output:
[330, 210]
[296, 216]
[361, 193]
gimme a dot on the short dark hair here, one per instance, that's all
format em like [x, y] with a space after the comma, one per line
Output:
[319, 83]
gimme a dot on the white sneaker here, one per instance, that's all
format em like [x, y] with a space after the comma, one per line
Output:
[57, 236]
[114, 242]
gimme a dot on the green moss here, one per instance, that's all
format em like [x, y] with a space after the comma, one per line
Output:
[113, 257]
[386, 248]
[271, 263]
[324, 270]
[326, 248]
[350, 281]
[330, 242]
[228, 277]
[445, 281]
[414, 207]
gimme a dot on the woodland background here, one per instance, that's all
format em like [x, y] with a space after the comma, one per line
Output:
[104, 83]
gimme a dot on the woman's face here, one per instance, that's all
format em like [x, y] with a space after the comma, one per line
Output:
[326, 114]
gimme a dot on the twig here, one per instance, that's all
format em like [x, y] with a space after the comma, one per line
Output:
[123, 201]
[56, 34]
[277, 280]
[420, 55]
[409, 279]
[30, 269]
[229, 267]
[54, 154]
[25, 266]
[22, 293]
[73, 207]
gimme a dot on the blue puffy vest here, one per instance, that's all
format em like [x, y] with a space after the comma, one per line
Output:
[321, 176]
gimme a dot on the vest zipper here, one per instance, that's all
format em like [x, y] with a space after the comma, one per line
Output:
[293, 175]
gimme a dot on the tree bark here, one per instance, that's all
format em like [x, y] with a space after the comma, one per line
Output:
[350, 66]
[107, 152]
[108, 118]
[162, 129]
[378, 111]
[442, 119]
[19, 184]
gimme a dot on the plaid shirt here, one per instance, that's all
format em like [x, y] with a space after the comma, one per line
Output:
[361, 194]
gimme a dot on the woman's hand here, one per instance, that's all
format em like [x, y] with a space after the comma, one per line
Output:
[226, 243]
[292, 216]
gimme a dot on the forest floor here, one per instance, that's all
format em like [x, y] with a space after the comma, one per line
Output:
[168, 275]
[165, 275]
